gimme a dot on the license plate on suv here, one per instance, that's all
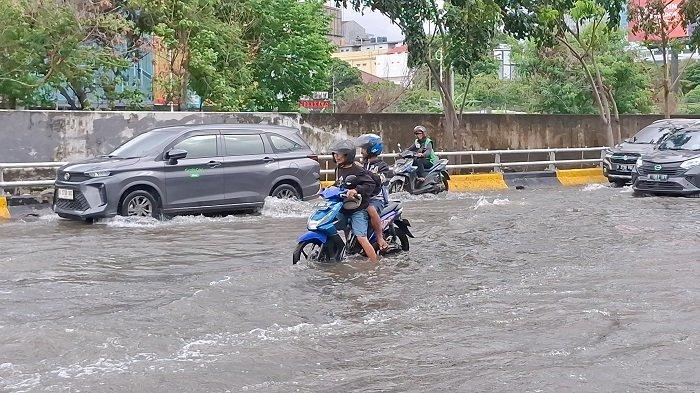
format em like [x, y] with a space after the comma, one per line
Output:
[658, 177]
[623, 167]
[64, 193]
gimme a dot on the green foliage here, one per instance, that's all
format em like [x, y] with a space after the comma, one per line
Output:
[691, 77]
[691, 102]
[419, 100]
[343, 75]
[556, 83]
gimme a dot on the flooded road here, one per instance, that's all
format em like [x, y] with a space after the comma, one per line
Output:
[578, 289]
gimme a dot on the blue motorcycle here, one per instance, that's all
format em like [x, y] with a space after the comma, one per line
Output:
[323, 242]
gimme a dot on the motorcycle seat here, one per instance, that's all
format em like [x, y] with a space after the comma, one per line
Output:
[437, 164]
[393, 205]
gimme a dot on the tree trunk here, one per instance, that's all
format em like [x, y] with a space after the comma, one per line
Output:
[448, 105]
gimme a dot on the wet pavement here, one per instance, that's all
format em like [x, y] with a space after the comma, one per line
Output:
[559, 289]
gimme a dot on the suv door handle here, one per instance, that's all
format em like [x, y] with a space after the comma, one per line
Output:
[214, 164]
[268, 159]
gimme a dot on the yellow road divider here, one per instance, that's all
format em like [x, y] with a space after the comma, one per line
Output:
[4, 211]
[496, 181]
[477, 181]
[578, 177]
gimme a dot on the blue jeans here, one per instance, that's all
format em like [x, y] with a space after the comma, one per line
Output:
[359, 221]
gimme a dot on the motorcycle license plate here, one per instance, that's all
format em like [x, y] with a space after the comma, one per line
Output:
[658, 177]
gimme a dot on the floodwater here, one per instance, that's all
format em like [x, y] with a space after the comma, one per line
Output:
[550, 290]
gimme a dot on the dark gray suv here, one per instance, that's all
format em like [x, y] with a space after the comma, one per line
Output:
[674, 168]
[619, 162]
[190, 169]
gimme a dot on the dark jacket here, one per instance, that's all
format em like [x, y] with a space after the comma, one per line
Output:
[381, 171]
[365, 187]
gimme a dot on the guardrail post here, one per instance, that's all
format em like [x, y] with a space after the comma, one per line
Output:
[497, 161]
[552, 157]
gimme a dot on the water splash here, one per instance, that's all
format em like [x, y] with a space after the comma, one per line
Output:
[595, 187]
[286, 208]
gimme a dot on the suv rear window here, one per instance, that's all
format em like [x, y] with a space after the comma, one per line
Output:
[284, 145]
[243, 145]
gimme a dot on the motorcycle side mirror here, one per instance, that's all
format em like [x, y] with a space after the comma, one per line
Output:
[175, 154]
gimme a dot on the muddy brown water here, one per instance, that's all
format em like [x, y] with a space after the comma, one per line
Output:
[560, 289]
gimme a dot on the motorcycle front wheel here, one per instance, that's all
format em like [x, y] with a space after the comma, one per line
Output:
[310, 250]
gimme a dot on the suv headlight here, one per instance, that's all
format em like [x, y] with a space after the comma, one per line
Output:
[98, 173]
[639, 162]
[693, 162]
[608, 153]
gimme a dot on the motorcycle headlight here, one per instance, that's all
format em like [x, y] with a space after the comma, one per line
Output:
[639, 162]
[692, 163]
[98, 174]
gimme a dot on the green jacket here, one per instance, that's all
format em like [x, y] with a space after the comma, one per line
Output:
[426, 147]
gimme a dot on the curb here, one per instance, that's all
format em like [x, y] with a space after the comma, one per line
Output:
[500, 181]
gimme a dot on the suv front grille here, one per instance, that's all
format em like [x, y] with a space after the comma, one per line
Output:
[629, 158]
[79, 203]
[659, 186]
[662, 169]
[75, 177]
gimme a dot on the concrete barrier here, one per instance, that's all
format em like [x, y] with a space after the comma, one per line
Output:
[500, 181]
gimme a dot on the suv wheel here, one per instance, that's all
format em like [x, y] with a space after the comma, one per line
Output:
[285, 191]
[140, 203]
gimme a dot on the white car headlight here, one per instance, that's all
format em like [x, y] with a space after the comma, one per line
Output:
[692, 163]
[98, 173]
[639, 162]
[608, 153]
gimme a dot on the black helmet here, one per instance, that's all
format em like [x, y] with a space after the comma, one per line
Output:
[345, 147]
[350, 182]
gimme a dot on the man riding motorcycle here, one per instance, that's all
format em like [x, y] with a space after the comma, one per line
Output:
[371, 147]
[425, 153]
[362, 184]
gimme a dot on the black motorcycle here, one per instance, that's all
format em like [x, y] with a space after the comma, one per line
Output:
[406, 179]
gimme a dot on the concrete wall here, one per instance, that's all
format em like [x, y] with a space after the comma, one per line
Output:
[481, 131]
[27, 136]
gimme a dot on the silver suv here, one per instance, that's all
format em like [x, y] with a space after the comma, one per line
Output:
[190, 169]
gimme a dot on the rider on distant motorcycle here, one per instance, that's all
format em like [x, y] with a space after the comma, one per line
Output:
[358, 181]
[425, 154]
[371, 146]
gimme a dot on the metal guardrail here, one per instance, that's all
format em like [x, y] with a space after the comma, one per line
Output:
[497, 165]
[26, 165]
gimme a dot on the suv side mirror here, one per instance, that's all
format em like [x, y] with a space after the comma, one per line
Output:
[175, 154]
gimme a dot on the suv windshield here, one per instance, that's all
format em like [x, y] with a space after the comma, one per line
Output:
[682, 141]
[139, 146]
[652, 134]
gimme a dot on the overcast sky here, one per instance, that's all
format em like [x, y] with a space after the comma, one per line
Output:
[375, 23]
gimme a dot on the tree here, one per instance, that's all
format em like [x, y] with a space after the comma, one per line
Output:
[245, 55]
[580, 26]
[290, 54]
[461, 31]
[78, 48]
[555, 83]
[655, 21]
[369, 98]
[343, 76]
